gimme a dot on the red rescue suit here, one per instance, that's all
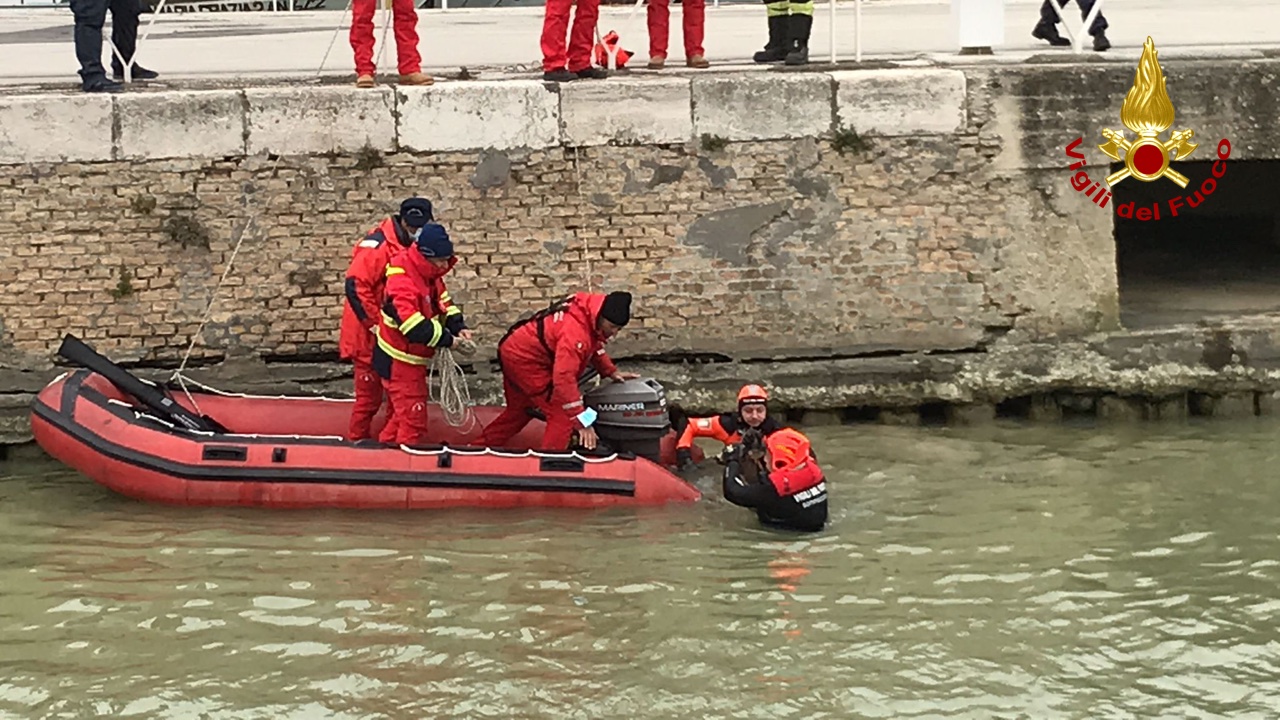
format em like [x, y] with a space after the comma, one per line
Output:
[693, 13]
[417, 317]
[555, 25]
[361, 36]
[542, 359]
[365, 284]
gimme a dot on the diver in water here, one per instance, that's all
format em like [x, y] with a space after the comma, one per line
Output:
[727, 427]
[777, 475]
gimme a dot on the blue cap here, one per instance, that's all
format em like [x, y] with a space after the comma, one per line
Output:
[416, 212]
[434, 242]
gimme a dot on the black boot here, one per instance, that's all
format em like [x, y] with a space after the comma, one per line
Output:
[1049, 33]
[800, 27]
[1100, 42]
[776, 49]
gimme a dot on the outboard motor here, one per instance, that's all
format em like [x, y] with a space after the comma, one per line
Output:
[631, 416]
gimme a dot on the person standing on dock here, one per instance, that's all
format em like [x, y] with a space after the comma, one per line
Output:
[407, 56]
[542, 358]
[418, 316]
[1047, 28]
[693, 13]
[752, 414]
[789, 26]
[90, 16]
[561, 61]
[364, 287]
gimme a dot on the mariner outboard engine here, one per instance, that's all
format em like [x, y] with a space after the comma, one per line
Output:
[631, 416]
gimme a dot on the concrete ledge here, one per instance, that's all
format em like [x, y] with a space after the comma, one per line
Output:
[762, 107]
[479, 115]
[305, 121]
[627, 112]
[55, 128]
[181, 124]
[901, 102]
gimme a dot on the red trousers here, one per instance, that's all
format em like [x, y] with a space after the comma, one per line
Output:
[515, 416]
[368, 400]
[694, 14]
[406, 22]
[555, 24]
[407, 405]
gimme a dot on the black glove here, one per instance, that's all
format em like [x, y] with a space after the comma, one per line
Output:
[684, 459]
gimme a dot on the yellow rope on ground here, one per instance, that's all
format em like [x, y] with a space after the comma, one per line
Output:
[455, 396]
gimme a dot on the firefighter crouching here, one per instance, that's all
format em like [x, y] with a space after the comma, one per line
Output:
[778, 477]
[728, 427]
[365, 284]
[417, 317]
[542, 358]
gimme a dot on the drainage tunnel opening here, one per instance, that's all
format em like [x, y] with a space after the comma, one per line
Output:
[1220, 259]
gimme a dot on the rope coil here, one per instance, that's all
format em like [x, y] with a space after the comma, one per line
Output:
[454, 396]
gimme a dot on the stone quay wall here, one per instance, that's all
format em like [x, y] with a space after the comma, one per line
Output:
[873, 238]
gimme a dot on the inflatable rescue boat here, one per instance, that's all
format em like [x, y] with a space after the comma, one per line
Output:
[199, 446]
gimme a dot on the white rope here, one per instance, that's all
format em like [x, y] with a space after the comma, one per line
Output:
[455, 396]
[213, 297]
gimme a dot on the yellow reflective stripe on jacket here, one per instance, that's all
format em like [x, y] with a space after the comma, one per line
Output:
[401, 355]
[411, 322]
[393, 270]
[444, 297]
[453, 310]
[390, 321]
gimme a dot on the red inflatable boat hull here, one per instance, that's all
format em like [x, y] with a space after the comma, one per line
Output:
[288, 452]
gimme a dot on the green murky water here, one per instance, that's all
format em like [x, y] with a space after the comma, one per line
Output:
[993, 573]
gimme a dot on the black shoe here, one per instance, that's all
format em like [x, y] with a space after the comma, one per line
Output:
[1100, 42]
[138, 73]
[103, 85]
[592, 73]
[561, 75]
[775, 50]
[800, 27]
[1049, 34]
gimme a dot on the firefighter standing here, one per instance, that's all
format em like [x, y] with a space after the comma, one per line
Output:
[361, 37]
[365, 283]
[417, 317]
[789, 27]
[783, 483]
[693, 14]
[727, 427]
[1047, 28]
[543, 357]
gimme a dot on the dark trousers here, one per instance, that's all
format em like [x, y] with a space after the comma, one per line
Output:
[90, 16]
[1049, 18]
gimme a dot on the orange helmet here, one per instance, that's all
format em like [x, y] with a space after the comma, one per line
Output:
[752, 394]
[787, 448]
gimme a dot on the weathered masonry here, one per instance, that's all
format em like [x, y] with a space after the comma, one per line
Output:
[870, 242]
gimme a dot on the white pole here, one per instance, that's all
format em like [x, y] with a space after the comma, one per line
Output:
[831, 29]
[857, 29]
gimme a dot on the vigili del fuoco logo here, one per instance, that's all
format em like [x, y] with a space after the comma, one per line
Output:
[1148, 112]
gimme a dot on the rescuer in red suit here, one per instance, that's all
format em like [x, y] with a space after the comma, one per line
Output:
[365, 283]
[361, 37]
[417, 317]
[777, 475]
[563, 62]
[728, 427]
[543, 357]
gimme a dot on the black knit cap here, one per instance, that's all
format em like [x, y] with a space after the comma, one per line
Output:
[416, 212]
[617, 308]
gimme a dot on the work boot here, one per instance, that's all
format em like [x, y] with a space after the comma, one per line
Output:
[365, 81]
[138, 72]
[776, 49]
[800, 27]
[1050, 34]
[592, 73]
[657, 62]
[561, 75]
[698, 62]
[416, 78]
[102, 85]
[1100, 42]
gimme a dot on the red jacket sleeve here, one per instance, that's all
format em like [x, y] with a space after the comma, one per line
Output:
[603, 364]
[368, 267]
[571, 353]
[703, 427]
